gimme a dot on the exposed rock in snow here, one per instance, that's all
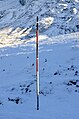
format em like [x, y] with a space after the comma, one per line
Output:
[22, 2]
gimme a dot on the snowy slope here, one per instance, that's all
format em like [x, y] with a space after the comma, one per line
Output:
[63, 15]
[58, 59]
[19, 21]
[59, 83]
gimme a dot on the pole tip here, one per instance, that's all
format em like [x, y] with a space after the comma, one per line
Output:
[37, 18]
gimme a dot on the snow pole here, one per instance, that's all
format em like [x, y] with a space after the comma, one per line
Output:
[37, 65]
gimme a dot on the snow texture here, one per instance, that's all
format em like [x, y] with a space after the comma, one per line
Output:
[58, 59]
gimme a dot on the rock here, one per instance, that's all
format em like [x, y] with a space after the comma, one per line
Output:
[76, 72]
[73, 82]
[22, 2]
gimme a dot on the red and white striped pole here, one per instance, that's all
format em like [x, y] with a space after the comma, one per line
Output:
[37, 66]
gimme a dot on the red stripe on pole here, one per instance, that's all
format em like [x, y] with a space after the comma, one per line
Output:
[37, 44]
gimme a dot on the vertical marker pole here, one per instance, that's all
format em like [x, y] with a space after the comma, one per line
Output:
[37, 66]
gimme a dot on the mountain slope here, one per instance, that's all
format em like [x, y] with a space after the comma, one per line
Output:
[18, 22]
[65, 15]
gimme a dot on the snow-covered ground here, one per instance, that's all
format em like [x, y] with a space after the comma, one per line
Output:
[59, 83]
[58, 59]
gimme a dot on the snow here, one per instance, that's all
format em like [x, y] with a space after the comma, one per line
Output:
[58, 59]
[77, 1]
[57, 99]
[75, 10]
[47, 22]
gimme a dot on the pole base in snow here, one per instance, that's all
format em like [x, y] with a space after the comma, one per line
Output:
[37, 102]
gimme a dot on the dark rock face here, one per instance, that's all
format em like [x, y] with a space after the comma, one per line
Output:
[22, 2]
[16, 100]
